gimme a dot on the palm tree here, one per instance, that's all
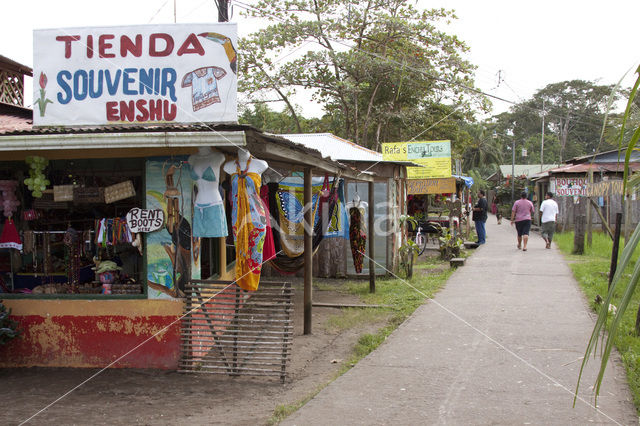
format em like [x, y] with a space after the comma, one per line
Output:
[482, 149]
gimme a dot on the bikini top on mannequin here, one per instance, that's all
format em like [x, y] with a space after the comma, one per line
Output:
[209, 175]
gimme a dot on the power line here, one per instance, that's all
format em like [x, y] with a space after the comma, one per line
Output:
[158, 11]
[426, 74]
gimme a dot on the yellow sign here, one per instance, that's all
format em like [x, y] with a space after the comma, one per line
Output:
[431, 186]
[433, 156]
[604, 188]
[394, 151]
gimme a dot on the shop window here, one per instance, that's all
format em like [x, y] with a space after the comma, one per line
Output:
[210, 260]
[74, 234]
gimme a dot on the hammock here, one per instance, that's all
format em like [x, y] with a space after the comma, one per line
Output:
[289, 240]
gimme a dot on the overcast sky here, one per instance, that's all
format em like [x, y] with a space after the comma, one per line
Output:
[530, 44]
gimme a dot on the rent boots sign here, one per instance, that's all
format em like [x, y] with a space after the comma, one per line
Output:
[135, 75]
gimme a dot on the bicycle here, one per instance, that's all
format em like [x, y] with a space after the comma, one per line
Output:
[421, 240]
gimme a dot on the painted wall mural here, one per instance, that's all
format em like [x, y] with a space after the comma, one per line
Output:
[173, 255]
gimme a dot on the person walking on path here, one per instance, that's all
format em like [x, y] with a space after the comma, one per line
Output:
[483, 350]
[549, 209]
[480, 217]
[521, 216]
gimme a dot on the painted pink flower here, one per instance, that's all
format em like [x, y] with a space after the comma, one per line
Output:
[43, 80]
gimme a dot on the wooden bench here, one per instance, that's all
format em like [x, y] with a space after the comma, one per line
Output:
[456, 261]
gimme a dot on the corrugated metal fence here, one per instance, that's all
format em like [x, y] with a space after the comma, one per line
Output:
[227, 330]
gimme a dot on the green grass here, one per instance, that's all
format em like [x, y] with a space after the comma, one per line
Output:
[352, 317]
[591, 271]
[283, 411]
[402, 296]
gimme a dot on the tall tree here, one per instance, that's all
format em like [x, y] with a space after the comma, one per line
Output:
[574, 114]
[377, 64]
[576, 111]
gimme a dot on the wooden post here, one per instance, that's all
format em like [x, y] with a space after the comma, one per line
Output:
[578, 238]
[372, 265]
[608, 210]
[308, 251]
[465, 207]
[627, 218]
[605, 226]
[588, 207]
[235, 331]
[615, 249]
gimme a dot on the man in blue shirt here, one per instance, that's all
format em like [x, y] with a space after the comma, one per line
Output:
[480, 217]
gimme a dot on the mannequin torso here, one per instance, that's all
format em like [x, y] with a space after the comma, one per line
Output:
[255, 166]
[205, 170]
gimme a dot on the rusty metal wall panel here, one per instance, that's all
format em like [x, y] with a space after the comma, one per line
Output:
[227, 330]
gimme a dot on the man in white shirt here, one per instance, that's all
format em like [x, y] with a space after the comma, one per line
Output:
[549, 209]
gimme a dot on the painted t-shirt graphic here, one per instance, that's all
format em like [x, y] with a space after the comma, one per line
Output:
[204, 87]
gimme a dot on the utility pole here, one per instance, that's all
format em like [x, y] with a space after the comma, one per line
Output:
[223, 10]
[513, 169]
[542, 141]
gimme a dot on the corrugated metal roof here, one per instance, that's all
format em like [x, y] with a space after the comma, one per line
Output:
[14, 123]
[131, 128]
[525, 169]
[334, 147]
[607, 156]
[12, 65]
[585, 167]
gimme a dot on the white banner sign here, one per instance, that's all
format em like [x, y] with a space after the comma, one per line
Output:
[138, 75]
[569, 186]
[144, 220]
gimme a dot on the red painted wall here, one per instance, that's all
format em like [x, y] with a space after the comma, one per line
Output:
[71, 335]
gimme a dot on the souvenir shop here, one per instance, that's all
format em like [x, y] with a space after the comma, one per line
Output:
[65, 230]
[99, 243]
[117, 198]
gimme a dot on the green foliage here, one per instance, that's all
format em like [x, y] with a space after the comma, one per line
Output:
[264, 118]
[483, 148]
[504, 191]
[574, 113]
[622, 285]
[8, 327]
[478, 181]
[591, 272]
[408, 249]
[450, 244]
[380, 69]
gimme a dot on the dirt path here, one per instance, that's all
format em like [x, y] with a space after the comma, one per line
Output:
[160, 397]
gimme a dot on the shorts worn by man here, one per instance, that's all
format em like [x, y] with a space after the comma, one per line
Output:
[549, 209]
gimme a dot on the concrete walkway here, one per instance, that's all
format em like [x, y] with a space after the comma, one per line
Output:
[501, 344]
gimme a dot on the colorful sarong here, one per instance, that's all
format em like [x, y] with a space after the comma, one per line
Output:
[249, 226]
[357, 237]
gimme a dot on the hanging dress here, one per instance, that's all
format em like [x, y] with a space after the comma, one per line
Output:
[269, 251]
[249, 226]
[357, 237]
